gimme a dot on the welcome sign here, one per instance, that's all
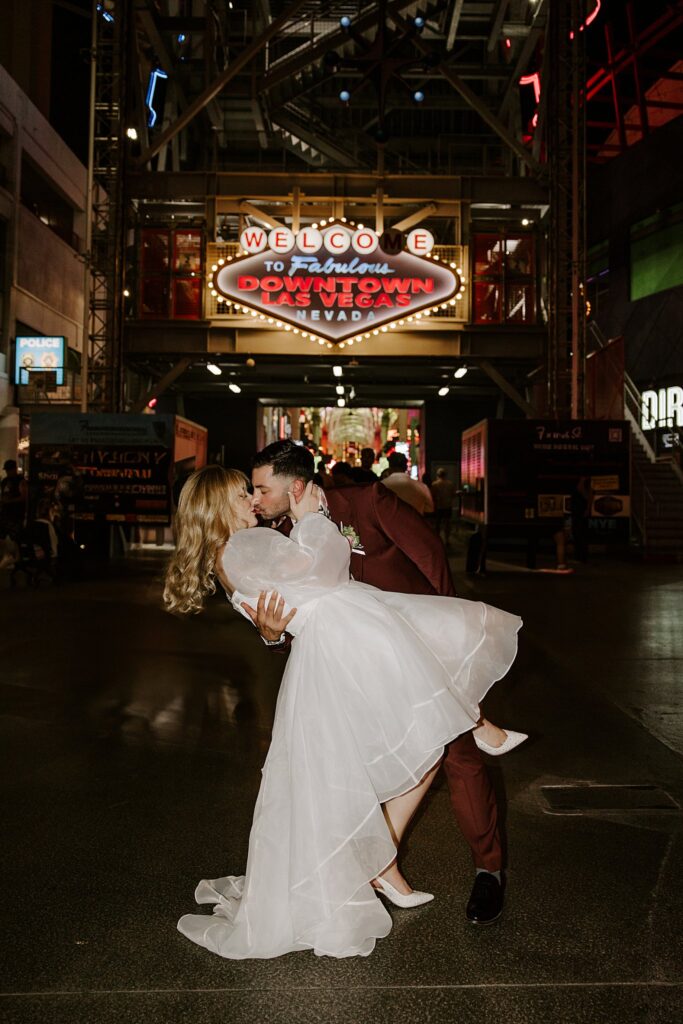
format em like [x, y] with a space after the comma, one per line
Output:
[338, 282]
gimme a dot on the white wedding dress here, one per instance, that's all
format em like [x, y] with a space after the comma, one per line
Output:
[375, 685]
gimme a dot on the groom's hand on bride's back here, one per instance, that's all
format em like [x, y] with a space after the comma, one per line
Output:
[269, 617]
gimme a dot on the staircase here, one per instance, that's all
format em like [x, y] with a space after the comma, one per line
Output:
[656, 500]
[656, 484]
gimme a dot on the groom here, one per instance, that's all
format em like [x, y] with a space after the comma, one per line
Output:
[395, 550]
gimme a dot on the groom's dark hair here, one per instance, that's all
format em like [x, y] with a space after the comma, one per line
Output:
[287, 459]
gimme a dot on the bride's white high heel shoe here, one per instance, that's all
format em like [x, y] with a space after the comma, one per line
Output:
[399, 899]
[512, 740]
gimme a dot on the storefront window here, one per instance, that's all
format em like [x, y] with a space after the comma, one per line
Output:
[154, 297]
[487, 301]
[186, 298]
[171, 274]
[504, 279]
[187, 252]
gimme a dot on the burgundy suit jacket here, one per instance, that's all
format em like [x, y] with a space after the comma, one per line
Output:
[402, 553]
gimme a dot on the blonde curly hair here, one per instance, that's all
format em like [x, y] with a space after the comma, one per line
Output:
[204, 522]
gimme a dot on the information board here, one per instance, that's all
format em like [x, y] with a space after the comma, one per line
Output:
[524, 472]
[111, 467]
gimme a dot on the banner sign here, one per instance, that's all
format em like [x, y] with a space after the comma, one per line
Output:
[112, 467]
[662, 408]
[337, 282]
[37, 353]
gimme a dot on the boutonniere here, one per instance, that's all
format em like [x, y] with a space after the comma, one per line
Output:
[353, 539]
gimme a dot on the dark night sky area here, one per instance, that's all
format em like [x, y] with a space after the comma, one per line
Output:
[70, 81]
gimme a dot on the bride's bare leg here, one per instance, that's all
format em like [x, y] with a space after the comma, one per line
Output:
[398, 813]
[489, 733]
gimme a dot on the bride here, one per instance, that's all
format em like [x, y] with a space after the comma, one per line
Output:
[375, 685]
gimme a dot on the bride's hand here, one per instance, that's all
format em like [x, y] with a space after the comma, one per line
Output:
[309, 502]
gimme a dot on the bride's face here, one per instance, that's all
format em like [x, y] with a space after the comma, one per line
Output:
[244, 509]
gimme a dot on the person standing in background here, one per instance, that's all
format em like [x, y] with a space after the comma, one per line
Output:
[443, 493]
[13, 493]
[411, 491]
[364, 473]
[581, 503]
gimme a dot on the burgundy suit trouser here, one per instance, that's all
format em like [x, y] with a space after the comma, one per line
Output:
[473, 801]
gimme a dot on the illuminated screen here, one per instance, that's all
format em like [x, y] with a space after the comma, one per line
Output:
[657, 262]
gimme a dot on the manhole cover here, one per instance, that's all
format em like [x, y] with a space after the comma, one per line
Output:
[578, 799]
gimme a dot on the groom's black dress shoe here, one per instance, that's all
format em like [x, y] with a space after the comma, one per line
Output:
[486, 900]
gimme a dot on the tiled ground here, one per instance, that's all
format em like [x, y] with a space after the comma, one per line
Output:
[131, 747]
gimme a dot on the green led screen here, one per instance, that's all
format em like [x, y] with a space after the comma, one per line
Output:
[657, 262]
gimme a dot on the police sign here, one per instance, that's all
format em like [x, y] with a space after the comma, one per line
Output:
[38, 353]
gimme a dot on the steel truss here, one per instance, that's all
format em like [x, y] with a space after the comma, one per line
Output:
[566, 147]
[102, 363]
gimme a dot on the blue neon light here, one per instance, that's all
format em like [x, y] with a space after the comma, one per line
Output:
[105, 14]
[156, 74]
[181, 38]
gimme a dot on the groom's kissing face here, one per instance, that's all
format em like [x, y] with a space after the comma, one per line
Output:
[270, 492]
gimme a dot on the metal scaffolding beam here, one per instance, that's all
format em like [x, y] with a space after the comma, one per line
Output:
[472, 99]
[102, 378]
[221, 81]
[566, 117]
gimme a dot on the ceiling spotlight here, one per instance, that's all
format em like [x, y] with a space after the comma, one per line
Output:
[235, 388]
[212, 368]
[460, 372]
[345, 21]
[345, 95]
[132, 133]
[418, 96]
[341, 402]
[182, 37]
[443, 391]
[339, 389]
[126, 293]
[419, 23]
[525, 222]
[337, 371]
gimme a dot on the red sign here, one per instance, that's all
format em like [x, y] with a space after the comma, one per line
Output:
[346, 287]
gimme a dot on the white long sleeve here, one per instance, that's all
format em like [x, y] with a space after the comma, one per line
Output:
[309, 563]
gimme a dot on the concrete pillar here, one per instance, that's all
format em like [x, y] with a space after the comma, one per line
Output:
[9, 429]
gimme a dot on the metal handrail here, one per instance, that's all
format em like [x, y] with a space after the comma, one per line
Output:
[632, 395]
[648, 497]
